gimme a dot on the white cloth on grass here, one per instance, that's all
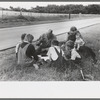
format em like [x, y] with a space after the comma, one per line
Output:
[44, 57]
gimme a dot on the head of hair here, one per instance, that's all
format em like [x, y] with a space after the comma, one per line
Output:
[50, 31]
[55, 42]
[73, 28]
[77, 35]
[69, 43]
[23, 36]
[30, 38]
[49, 34]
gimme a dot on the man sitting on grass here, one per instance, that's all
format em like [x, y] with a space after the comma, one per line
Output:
[45, 40]
[72, 34]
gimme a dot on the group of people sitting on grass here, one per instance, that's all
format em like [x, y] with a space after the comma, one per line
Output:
[57, 53]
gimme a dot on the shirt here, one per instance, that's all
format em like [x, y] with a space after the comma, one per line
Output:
[80, 42]
[45, 41]
[17, 46]
[52, 53]
[74, 54]
[30, 52]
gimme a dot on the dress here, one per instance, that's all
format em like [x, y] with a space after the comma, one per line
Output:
[79, 42]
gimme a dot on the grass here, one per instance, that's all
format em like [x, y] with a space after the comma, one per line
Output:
[16, 21]
[9, 71]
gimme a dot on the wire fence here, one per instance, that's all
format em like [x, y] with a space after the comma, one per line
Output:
[7, 14]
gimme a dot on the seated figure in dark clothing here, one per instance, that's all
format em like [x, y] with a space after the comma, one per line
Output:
[27, 54]
[72, 34]
[72, 56]
[45, 40]
[86, 51]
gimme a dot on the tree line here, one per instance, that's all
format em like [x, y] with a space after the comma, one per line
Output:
[72, 9]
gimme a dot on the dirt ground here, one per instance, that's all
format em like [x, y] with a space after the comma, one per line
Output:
[10, 72]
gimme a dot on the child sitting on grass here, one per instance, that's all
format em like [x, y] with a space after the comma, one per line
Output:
[27, 54]
[55, 55]
[79, 42]
[70, 51]
[18, 45]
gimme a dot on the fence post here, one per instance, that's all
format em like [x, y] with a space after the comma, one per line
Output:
[2, 14]
[69, 15]
[20, 12]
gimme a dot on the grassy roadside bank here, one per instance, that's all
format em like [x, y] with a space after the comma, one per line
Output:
[23, 21]
[8, 71]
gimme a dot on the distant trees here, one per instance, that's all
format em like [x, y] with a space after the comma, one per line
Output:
[15, 9]
[18, 9]
[72, 9]
[93, 9]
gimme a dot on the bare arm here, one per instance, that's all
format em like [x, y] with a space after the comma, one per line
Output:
[65, 57]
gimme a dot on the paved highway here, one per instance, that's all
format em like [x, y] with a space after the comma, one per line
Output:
[10, 36]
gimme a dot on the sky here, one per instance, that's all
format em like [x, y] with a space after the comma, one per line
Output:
[28, 5]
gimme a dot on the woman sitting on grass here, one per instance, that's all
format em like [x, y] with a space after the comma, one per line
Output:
[72, 34]
[27, 54]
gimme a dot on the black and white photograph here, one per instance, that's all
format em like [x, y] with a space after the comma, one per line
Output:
[50, 41]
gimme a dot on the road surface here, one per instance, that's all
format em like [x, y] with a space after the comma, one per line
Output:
[10, 36]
